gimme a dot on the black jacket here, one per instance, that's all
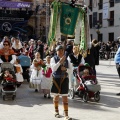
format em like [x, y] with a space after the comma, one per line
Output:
[90, 58]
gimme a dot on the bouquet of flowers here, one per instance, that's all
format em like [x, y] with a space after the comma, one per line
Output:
[38, 65]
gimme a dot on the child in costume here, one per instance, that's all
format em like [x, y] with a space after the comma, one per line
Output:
[19, 71]
[36, 75]
[46, 78]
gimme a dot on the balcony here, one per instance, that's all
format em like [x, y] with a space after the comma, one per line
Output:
[90, 7]
[110, 19]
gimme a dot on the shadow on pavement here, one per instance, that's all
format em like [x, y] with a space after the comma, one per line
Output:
[26, 97]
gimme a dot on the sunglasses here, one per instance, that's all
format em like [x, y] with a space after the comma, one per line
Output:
[5, 44]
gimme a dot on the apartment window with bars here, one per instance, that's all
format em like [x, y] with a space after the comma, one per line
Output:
[100, 18]
[100, 4]
[111, 36]
[90, 20]
[100, 37]
[90, 4]
[111, 3]
[111, 19]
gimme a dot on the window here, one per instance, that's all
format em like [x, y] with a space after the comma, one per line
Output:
[90, 4]
[94, 18]
[111, 36]
[90, 20]
[111, 3]
[100, 18]
[111, 19]
[100, 4]
[100, 37]
[91, 36]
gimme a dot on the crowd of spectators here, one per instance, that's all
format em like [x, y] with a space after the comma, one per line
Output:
[107, 48]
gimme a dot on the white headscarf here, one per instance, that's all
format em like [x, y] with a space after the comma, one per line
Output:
[14, 45]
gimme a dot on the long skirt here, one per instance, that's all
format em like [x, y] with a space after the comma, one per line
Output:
[46, 82]
[35, 79]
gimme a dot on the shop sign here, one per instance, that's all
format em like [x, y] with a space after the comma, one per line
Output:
[11, 19]
[8, 4]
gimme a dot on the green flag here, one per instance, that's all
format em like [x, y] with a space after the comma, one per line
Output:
[68, 19]
[53, 21]
[83, 37]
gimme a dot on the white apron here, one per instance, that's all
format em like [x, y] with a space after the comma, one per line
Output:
[35, 76]
[19, 76]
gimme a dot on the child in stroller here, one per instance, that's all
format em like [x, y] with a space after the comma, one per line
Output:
[7, 77]
[88, 86]
[8, 82]
[86, 77]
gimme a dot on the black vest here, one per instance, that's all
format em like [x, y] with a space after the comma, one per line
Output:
[4, 60]
[75, 61]
[59, 73]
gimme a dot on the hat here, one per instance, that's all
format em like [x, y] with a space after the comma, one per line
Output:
[39, 41]
[59, 47]
[86, 64]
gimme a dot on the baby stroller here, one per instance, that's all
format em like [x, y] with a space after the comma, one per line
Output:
[9, 86]
[25, 62]
[87, 87]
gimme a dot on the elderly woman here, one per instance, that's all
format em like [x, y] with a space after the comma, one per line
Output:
[6, 53]
[17, 47]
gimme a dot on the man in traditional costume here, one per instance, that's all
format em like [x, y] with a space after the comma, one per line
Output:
[61, 67]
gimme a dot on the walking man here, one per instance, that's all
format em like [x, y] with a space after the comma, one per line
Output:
[61, 67]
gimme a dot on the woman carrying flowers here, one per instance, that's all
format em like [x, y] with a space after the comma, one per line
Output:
[36, 75]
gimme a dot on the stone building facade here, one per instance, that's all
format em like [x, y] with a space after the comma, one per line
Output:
[40, 19]
[104, 18]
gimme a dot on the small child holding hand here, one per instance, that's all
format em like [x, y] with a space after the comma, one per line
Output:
[19, 71]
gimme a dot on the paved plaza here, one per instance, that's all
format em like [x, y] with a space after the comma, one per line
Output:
[29, 105]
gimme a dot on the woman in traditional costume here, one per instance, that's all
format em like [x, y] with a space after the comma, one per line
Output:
[5, 38]
[6, 53]
[17, 47]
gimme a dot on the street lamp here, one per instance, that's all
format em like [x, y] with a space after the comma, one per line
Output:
[98, 26]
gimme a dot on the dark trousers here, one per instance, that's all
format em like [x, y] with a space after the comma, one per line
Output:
[118, 69]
